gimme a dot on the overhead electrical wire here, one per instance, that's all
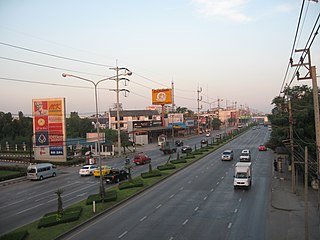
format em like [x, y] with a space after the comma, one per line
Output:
[54, 55]
[293, 47]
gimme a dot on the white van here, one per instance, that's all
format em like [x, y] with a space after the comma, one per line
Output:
[40, 171]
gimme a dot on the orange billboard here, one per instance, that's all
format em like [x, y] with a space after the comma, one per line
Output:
[161, 96]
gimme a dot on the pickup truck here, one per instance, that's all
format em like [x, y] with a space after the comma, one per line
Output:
[168, 148]
[116, 175]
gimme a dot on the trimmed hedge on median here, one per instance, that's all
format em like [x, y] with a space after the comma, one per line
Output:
[51, 219]
[177, 161]
[109, 197]
[15, 236]
[153, 173]
[168, 166]
[134, 183]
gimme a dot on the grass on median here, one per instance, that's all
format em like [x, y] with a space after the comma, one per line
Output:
[53, 232]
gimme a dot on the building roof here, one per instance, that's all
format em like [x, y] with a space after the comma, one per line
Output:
[134, 113]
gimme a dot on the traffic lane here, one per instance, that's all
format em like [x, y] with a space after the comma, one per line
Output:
[251, 219]
[172, 192]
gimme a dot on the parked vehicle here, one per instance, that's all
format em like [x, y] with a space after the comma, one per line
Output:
[242, 175]
[168, 148]
[262, 148]
[179, 143]
[227, 155]
[245, 155]
[40, 171]
[141, 158]
[87, 170]
[186, 149]
[104, 170]
[116, 175]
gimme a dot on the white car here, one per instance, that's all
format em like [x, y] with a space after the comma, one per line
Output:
[87, 170]
[207, 134]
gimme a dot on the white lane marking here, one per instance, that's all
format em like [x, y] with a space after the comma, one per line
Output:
[211, 190]
[172, 196]
[218, 183]
[229, 225]
[159, 206]
[143, 218]
[197, 176]
[196, 209]
[29, 209]
[171, 238]
[181, 188]
[240, 199]
[205, 198]
[236, 210]
[190, 182]
[11, 204]
[207, 168]
[185, 222]
[222, 177]
[124, 233]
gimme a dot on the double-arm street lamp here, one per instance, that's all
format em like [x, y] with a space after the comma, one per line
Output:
[95, 84]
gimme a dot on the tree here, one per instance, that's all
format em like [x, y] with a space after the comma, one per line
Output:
[60, 208]
[216, 123]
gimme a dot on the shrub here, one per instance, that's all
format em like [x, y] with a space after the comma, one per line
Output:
[178, 161]
[51, 219]
[109, 197]
[166, 167]
[134, 183]
[153, 173]
[15, 236]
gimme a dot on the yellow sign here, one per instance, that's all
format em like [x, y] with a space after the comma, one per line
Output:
[161, 96]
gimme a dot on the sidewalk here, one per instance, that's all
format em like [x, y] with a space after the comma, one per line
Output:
[286, 213]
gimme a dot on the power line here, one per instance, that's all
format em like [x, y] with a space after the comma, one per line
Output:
[293, 46]
[47, 66]
[54, 55]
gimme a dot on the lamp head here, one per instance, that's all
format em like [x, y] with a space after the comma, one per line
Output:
[64, 75]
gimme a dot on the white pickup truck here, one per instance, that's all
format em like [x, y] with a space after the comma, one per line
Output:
[242, 175]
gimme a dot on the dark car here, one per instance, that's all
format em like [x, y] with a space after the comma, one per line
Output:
[204, 141]
[186, 149]
[116, 175]
[141, 158]
[179, 143]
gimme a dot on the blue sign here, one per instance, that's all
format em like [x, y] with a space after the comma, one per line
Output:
[56, 150]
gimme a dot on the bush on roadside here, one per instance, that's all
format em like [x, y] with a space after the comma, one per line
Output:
[15, 236]
[153, 173]
[134, 183]
[178, 161]
[109, 197]
[53, 218]
[166, 167]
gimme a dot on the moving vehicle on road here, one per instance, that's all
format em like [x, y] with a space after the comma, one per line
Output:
[262, 148]
[116, 175]
[186, 149]
[87, 170]
[141, 158]
[40, 171]
[179, 143]
[227, 155]
[168, 148]
[204, 141]
[245, 155]
[104, 170]
[242, 175]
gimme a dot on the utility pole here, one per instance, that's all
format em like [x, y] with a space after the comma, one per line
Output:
[311, 74]
[306, 206]
[199, 99]
[293, 171]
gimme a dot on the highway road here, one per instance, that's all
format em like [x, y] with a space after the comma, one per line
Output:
[198, 202]
[26, 201]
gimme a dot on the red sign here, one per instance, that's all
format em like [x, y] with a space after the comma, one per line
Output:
[41, 123]
[56, 140]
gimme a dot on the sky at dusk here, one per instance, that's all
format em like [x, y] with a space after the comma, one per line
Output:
[235, 50]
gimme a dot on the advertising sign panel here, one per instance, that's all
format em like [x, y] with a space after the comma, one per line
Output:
[161, 96]
[175, 117]
[49, 131]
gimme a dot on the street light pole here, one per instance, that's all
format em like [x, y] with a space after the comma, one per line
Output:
[95, 84]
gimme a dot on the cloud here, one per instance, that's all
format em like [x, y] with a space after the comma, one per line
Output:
[230, 9]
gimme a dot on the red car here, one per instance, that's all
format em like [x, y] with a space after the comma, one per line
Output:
[141, 158]
[262, 148]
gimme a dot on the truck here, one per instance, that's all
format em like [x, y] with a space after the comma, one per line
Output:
[242, 175]
[168, 147]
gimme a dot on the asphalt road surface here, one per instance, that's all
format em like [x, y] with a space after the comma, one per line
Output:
[198, 202]
[26, 201]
